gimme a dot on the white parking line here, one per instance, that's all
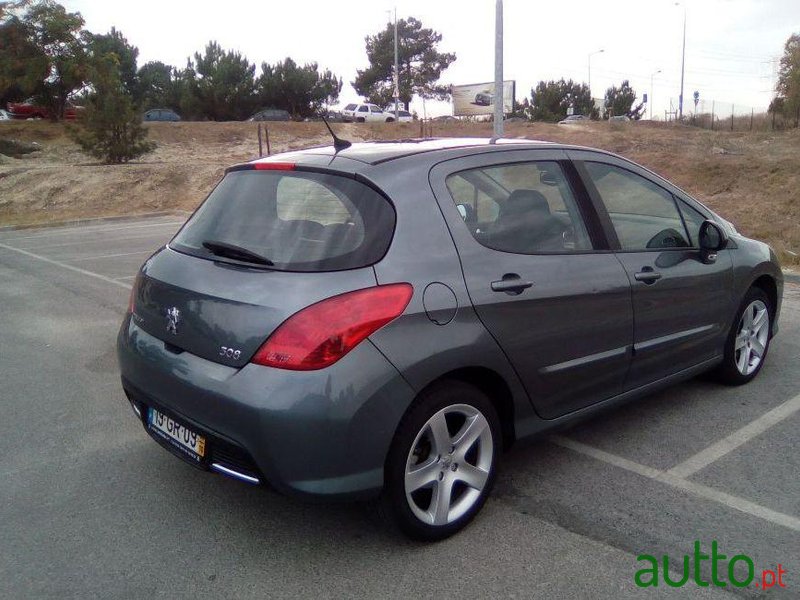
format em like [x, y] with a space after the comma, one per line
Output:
[696, 489]
[728, 444]
[98, 256]
[79, 229]
[127, 286]
[125, 238]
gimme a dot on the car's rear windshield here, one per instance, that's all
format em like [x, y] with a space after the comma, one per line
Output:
[297, 221]
[350, 107]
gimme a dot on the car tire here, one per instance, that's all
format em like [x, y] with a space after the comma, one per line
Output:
[390, 120]
[442, 462]
[747, 344]
[360, 120]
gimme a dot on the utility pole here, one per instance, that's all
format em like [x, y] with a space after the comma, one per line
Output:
[683, 61]
[396, 73]
[589, 60]
[498, 69]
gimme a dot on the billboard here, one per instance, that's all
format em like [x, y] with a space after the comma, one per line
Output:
[478, 98]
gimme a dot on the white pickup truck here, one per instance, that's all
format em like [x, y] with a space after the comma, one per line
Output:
[365, 113]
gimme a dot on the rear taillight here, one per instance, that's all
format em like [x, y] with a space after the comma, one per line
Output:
[134, 289]
[321, 334]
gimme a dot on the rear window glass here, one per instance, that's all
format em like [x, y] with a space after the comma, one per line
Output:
[350, 107]
[297, 220]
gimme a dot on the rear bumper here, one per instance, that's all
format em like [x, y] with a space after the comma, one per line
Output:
[317, 433]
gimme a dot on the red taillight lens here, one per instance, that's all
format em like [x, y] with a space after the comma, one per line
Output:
[318, 336]
[132, 298]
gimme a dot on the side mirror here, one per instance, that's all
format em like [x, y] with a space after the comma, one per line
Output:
[712, 239]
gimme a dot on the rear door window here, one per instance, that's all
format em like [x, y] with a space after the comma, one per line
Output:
[524, 208]
[299, 221]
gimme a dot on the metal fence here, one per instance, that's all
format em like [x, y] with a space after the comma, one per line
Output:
[728, 116]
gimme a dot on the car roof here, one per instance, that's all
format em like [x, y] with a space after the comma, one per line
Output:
[378, 152]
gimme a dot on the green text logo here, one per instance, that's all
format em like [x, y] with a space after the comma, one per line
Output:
[653, 572]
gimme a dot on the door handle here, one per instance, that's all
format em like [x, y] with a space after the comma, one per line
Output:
[647, 275]
[511, 284]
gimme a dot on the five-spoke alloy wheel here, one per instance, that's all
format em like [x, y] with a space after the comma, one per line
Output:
[748, 340]
[752, 337]
[442, 463]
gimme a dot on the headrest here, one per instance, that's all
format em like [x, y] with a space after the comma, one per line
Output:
[522, 202]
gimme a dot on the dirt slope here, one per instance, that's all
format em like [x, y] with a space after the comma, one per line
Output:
[751, 178]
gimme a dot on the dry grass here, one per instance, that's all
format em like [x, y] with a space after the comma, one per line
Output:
[751, 178]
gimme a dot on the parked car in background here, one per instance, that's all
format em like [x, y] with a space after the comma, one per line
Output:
[366, 113]
[403, 116]
[29, 109]
[161, 114]
[573, 119]
[388, 318]
[484, 98]
[271, 114]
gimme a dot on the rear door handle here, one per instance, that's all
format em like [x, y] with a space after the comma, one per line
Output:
[511, 284]
[647, 275]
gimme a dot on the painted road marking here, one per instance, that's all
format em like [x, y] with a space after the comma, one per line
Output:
[89, 229]
[696, 489]
[728, 444]
[142, 236]
[57, 263]
[99, 256]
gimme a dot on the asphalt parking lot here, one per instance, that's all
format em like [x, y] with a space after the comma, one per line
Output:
[91, 507]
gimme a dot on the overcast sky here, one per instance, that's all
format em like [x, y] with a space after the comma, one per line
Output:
[731, 45]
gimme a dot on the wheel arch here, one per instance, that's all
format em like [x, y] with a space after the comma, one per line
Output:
[496, 389]
[769, 286]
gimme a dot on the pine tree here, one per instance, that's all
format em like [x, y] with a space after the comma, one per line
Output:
[111, 128]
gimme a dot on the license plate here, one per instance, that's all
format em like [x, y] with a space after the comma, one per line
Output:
[177, 434]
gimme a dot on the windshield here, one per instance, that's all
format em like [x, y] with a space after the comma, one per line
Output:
[294, 221]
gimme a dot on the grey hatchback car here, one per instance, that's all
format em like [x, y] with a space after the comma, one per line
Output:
[384, 320]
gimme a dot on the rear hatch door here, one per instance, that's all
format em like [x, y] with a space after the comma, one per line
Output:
[264, 245]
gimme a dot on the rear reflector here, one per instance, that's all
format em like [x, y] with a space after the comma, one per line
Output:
[273, 166]
[319, 335]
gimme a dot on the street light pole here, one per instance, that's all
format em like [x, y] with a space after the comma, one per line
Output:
[498, 69]
[651, 92]
[396, 73]
[591, 54]
[683, 61]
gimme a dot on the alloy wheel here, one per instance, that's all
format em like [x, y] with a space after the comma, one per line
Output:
[752, 337]
[449, 464]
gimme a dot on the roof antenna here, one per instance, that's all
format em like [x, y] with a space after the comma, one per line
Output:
[338, 143]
